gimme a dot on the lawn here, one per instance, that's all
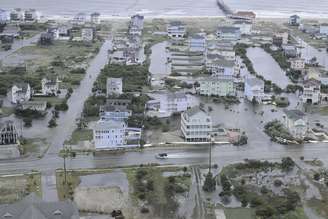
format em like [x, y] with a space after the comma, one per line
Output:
[324, 110]
[80, 135]
[6, 111]
[58, 59]
[237, 213]
[14, 188]
[53, 100]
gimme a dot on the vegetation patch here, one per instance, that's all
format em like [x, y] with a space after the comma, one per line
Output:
[134, 77]
[14, 188]
[277, 131]
[150, 186]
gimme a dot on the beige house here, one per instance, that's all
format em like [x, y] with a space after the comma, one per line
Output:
[297, 63]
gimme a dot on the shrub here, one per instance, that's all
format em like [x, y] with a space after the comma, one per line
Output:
[27, 122]
[277, 183]
[209, 183]
[62, 106]
[316, 176]
[144, 210]
[52, 123]
[287, 163]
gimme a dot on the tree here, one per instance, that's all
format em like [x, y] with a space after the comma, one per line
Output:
[52, 123]
[27, 122]
[316, 176]
[225, 183]
[254, 101]
[81, 123]
[209, 183]
[287, 163]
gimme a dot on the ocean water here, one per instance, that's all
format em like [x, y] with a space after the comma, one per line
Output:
[124, 8]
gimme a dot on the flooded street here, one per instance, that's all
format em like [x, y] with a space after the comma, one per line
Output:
[266, 66]
[67, 121]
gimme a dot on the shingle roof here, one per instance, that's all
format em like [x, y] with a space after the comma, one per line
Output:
[176, 23]
[195, 110]
[254, 82]
[32, 207]
[228, 29]
[22, 86]
[177, 95]
[111, 124]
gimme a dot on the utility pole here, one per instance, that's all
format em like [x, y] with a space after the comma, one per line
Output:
[210, 153]
[67, 153]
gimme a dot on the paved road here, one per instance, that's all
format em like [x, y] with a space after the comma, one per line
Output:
[18, 44]
[222, 155]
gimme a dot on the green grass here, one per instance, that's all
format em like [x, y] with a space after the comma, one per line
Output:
[324, 110]
[6, 111]
[39, 58]
[238, 213]
[52, 100]
[80, 135]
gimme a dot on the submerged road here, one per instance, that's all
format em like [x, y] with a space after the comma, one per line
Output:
[221, 155]
[67, 120]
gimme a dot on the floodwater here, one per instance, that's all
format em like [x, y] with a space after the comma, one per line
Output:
[67, 120]
[263, 8]
[308, 52]
[266, 66]
[159, 68]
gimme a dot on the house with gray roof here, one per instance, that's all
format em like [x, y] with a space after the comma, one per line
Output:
[197, 43]
[176, 30]
[8, 133]
[296, 122]
[230, 33]
[196, 125]
[20, 92]
[165, 104]
[109, 134]
[136, 25]
[294, 20]
[32, 207]
[3, 16]
[95, 18]
[114, 86]
[254, 88]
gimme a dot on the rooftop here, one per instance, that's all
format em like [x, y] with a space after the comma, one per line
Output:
[195, 110]
[228, 29]
[109, 124]
[254, 82]
[176, 95]
[176, 23]
[22, 85]
[33, 207]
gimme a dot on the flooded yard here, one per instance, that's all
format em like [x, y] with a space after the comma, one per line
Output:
[308, 52]
[159, 67]
[266, 66]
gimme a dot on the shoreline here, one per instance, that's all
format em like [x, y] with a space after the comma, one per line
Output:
[171, 17]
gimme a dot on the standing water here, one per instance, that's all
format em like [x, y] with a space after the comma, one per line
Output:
[266, 66]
